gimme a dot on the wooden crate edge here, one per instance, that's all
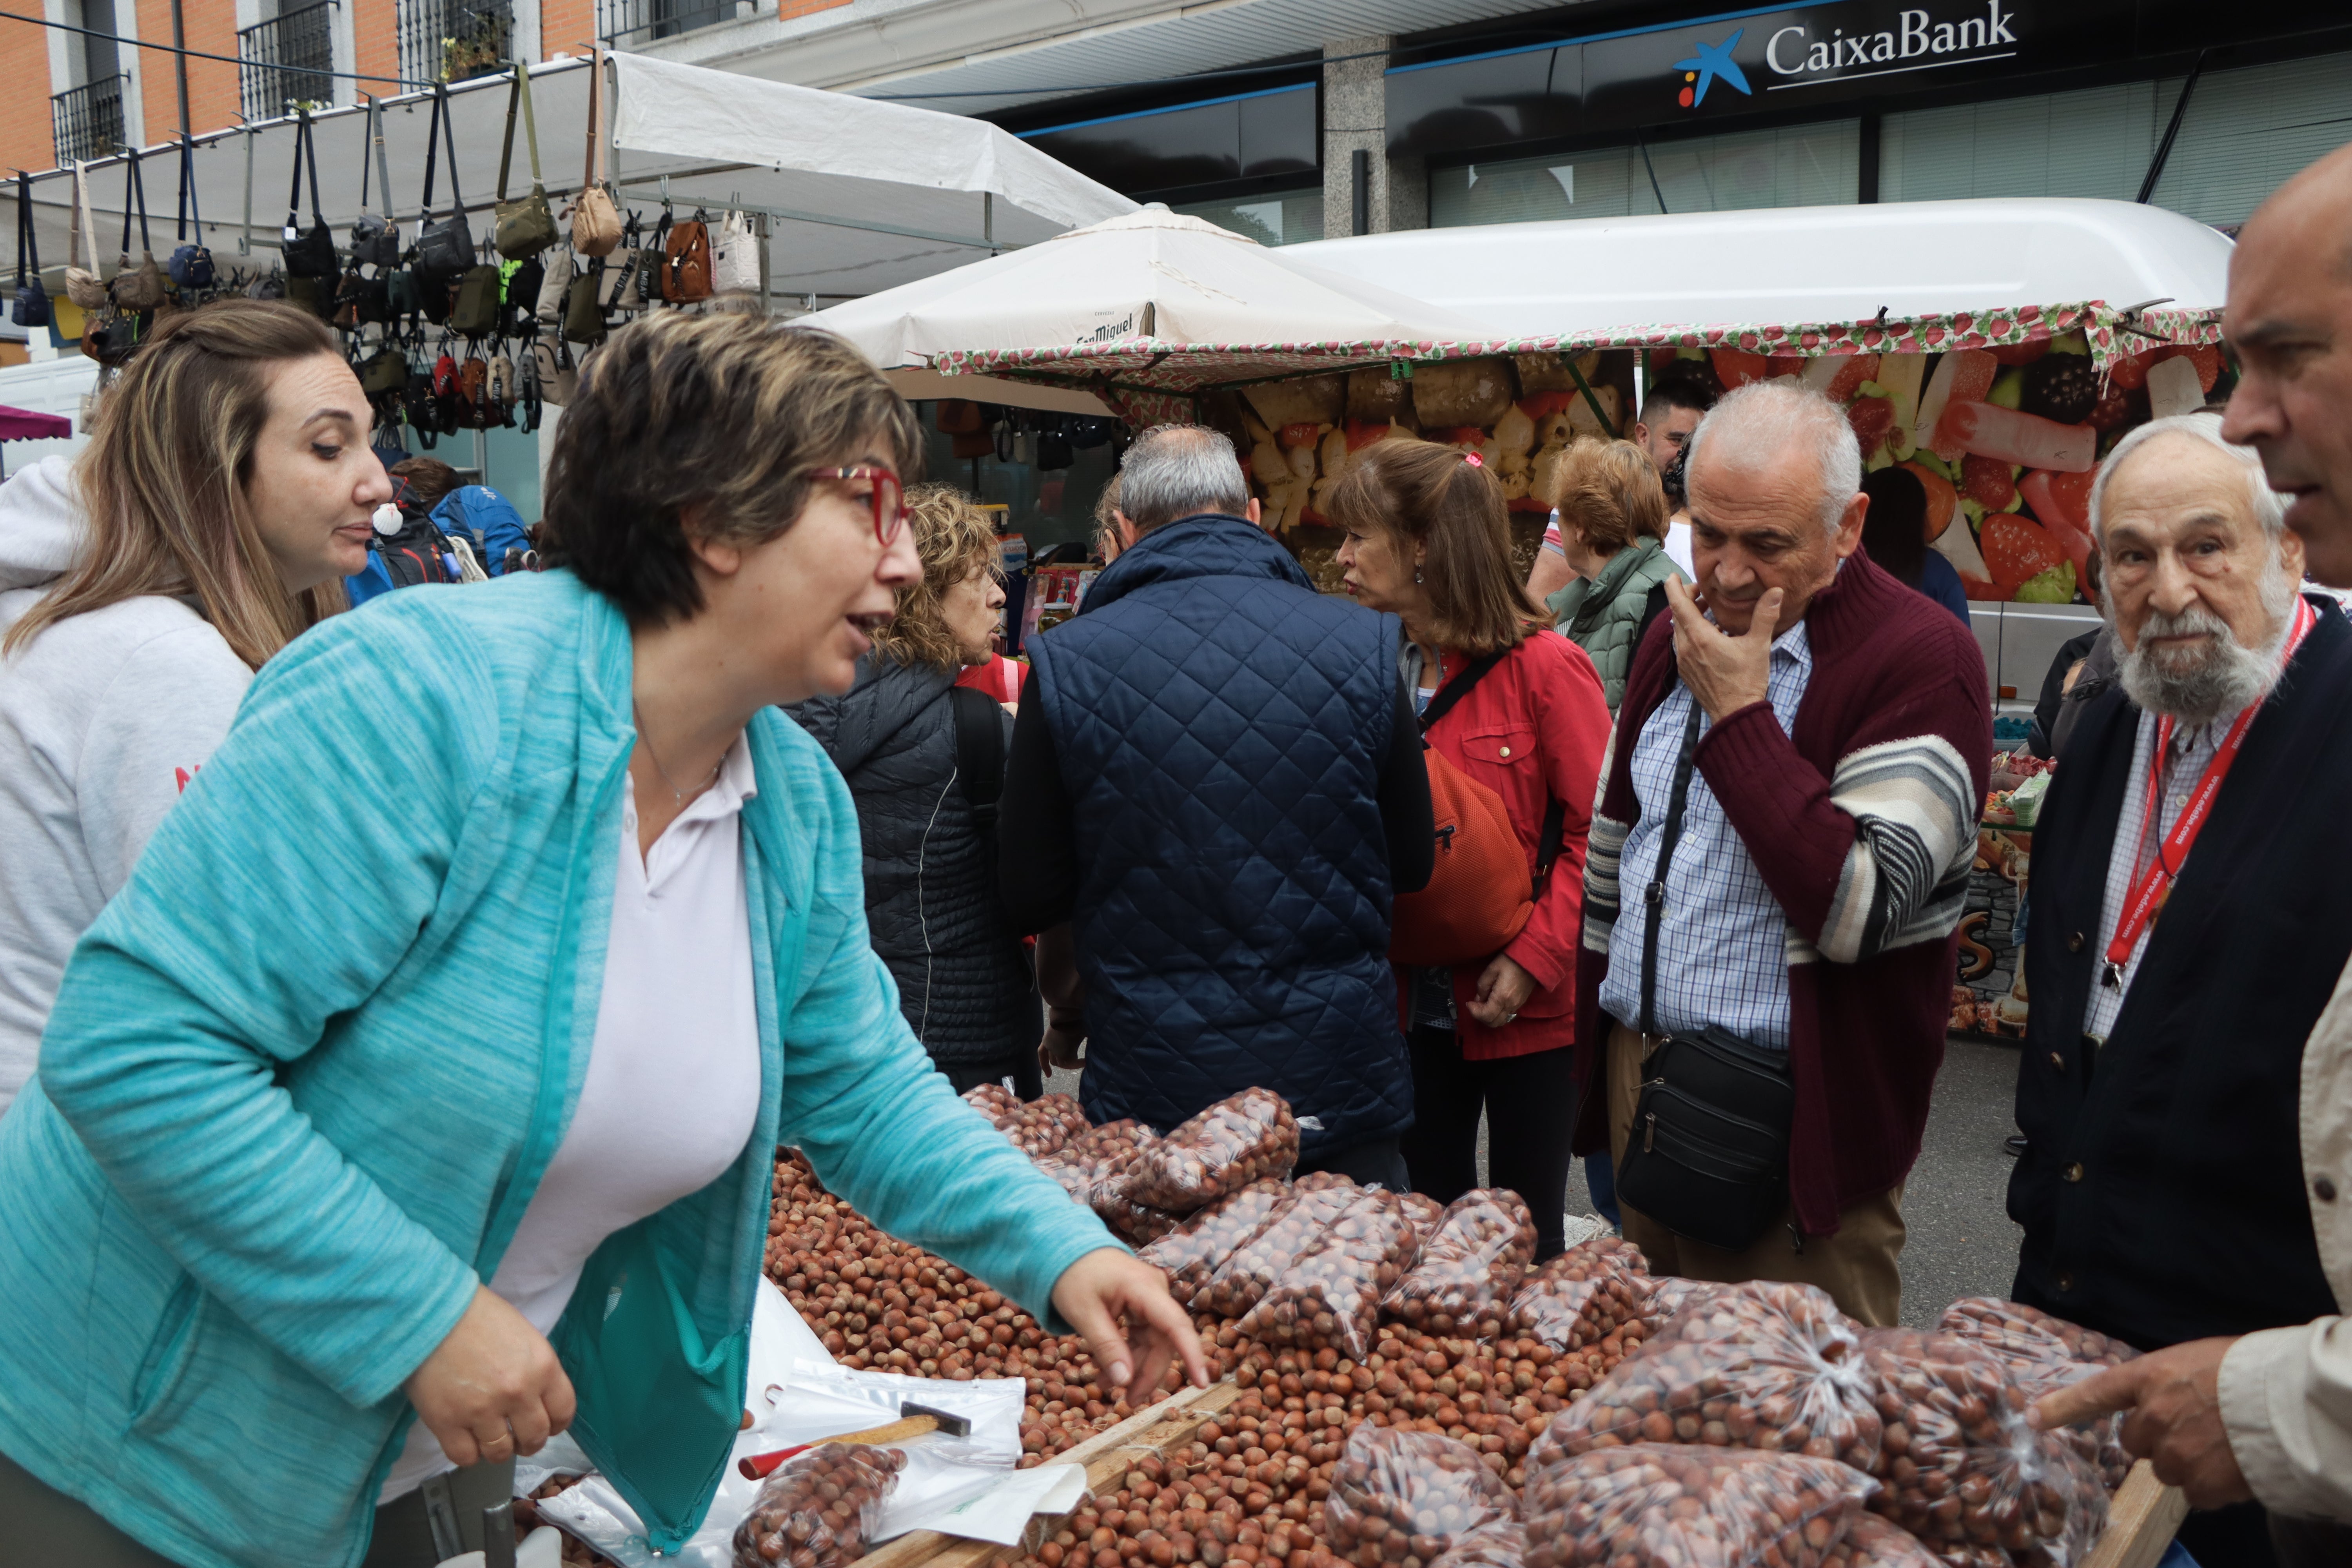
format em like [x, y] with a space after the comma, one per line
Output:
[2141, 1521]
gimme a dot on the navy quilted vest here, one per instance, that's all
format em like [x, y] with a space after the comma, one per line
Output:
[1219, 727]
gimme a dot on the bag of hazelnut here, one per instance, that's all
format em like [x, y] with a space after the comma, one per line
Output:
[1469, 1267]
[1245, 1278]
[1673, 1505]
[1875, 1543]
[1400, 1496]
[818, 1508]
[2044, 1354]
[1240, 1138]
[1193, 1251]
[1589, 1292]
[1036, 1127]
[1758, 1367]
[1330, 1295]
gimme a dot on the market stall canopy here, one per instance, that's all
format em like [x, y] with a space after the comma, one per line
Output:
[1585, 277]
[860, 196]
[24, 424]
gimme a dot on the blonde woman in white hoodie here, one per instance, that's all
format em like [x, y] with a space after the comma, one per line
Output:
[228, 492]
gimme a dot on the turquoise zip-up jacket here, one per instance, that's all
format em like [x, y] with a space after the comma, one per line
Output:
[306, 1071]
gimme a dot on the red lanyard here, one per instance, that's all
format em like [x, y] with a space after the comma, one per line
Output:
[2155, 884]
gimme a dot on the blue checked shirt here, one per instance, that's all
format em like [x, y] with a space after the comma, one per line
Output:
[1723, 955]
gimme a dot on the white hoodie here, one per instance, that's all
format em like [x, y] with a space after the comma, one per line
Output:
[103, 719]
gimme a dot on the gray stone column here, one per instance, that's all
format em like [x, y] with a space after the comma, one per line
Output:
[1355, 118]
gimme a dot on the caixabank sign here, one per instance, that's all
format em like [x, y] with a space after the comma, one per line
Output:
[1737, 64]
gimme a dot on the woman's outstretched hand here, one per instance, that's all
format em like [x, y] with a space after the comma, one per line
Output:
[1130, 1322]
[493, 1389]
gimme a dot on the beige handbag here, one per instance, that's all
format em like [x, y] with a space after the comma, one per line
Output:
[595, 220]
[554, 284]
[84, 287]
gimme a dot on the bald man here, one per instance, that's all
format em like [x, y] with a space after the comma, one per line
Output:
[2268, 1415]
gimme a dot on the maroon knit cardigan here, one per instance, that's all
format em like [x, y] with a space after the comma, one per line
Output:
[1890, 666]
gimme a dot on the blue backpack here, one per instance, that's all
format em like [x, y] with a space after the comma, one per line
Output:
[486, 521]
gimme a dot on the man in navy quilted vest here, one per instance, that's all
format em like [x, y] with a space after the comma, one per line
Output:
[1215, 787]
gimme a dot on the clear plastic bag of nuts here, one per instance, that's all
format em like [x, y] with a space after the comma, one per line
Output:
[1330, 1295]
[1875, 1543]
[818, 1507]
[1469, 1268]
[1401, 1497]
[1036, 1128]
[1672, 1505]
[2045, 1353]
[1670, 1293]
[1592, 1291]
[1426, 1212]
[1239, 1283]
[1758, 1367]
[1195, 1250]
[1503, 1544]
[1240, 1138]
[1960, 1464]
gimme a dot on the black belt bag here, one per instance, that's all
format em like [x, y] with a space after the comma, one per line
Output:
[1708, 1154]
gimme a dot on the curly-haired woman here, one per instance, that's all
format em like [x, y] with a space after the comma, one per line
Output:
[900, 737]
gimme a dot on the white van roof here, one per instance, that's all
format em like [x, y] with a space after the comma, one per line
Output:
[1793, 265]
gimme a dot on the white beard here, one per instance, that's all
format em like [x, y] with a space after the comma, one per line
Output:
[2225, 676]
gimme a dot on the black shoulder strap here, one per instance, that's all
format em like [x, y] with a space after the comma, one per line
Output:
[25, 238]
[449, 139]
[134, 186]
[188, 193]
[1455, 689]
[1654, 895]
[980, 751]
[432, 154]
[294, 181]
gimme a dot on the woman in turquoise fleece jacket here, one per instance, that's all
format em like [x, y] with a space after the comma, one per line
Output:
[307, 1070]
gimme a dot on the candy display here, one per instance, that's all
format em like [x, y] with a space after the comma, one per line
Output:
[1588, 1293]
[1223, 1150]
[817, 1510]
[1331, 1293]
[1756, 1366]
[1409, 1497]
[1667, 1505]
[1196, 1248]
[1470, 1266]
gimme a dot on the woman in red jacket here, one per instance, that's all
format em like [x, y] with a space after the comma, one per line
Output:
[1429, 541]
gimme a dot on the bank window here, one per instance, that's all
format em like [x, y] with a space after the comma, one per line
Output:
[2248, 130]
[1802, 165]
[1290, 217]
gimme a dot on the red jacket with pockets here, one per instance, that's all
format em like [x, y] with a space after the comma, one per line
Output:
[1534, 730]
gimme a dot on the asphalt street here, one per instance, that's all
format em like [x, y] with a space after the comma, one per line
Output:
[1962, 1241]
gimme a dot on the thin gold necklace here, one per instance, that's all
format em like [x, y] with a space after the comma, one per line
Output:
[676, 795]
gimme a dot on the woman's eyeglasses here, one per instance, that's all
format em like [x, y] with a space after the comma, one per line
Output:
[887, 497]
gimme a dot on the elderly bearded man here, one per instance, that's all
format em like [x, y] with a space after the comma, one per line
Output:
[1779, 863]
[2186, 927]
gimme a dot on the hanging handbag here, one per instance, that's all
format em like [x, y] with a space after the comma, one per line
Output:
[527, 398]
[525, 226]
[445, 250]
[735, 255]
[553, 370]
[111, 336]
[595, 220]
[376, 240]
[192, 262]
[139, 288]
[402, 296]
[554, 286]
[269, 285]
[686, 262]
[655, 266]
[474, 391]
[584, 319]
[310, 253]
[84, 287]
[32, 305]
[502, 380]
[476, 311]
[1708, 1157]
[383, 372]
[360, 300]
[315, 295]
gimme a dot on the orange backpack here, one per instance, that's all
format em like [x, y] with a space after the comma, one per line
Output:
[1479, 895]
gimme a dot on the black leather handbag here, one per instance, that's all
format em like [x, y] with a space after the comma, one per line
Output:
[31, 308]
[445, 250]
[1708, 1156]
[376, 240]
[310, 253]
[191, 265]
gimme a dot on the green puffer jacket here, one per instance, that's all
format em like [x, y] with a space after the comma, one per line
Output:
[1604, 616]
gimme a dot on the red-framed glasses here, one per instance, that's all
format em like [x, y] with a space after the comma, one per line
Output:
[889, 497]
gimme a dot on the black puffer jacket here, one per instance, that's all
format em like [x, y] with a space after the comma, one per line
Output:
[930, 892]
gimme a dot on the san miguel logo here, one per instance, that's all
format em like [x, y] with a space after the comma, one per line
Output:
[1805, 51]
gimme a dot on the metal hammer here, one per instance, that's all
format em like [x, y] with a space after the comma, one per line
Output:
[914, 1420]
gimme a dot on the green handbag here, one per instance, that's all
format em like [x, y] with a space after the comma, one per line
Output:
[384, 371]
[400, 292]
[477, 309]
[658, 1407]
[527, 226]
[583, 317]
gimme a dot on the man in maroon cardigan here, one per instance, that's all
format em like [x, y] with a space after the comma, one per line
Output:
[1812, 901]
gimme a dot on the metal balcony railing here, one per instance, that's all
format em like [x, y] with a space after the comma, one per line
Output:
[453, 40]
[282, 59]
[626, 23]
[88, 120]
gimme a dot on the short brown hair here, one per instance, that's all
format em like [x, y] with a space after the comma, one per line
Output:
[724, 413]
[1609, 491]
[953, 537]
[429, 479]
[164, 479]
[1441, 498]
